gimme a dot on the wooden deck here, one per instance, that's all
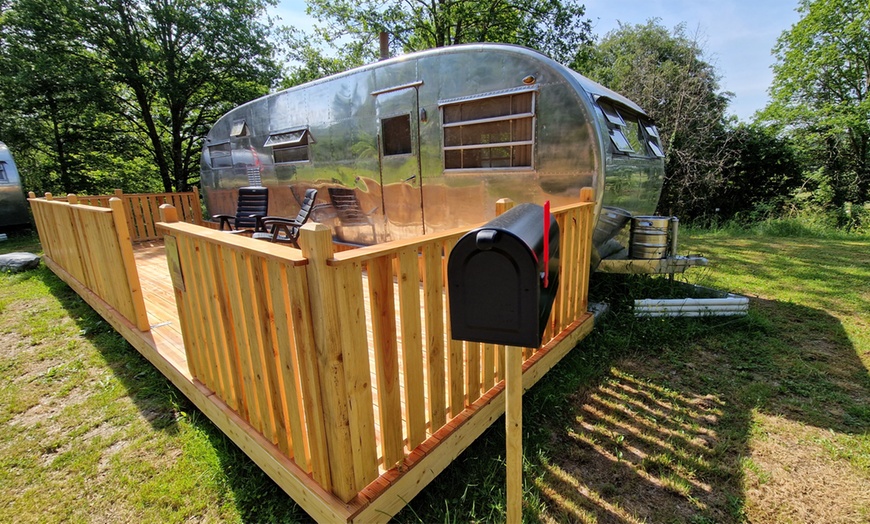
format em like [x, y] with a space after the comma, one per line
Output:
[351, 411]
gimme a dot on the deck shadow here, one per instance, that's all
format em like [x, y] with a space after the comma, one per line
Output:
[154, 395]
[661, 431]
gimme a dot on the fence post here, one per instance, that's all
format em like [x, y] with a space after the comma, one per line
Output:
[587, 194]
[168, 213]
[196, 207]
[31, 194]
[315, 240]
[71, 198]
[503, 205]
[119, 193]
[126, 247]
[48, 196]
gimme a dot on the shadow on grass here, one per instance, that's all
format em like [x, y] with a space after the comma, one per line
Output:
[256, 497]
[651, 420]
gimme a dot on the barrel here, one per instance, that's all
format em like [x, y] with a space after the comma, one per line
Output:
[649, 237]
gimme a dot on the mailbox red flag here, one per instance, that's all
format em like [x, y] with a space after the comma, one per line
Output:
[547, 244]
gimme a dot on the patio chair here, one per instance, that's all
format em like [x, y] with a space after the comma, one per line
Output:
[252, 206]
[280, 229]
[348, 210]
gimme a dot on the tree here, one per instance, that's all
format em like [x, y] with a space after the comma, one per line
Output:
[179, 65]
[666, 74]
[554, 27]
[821, 93]
[53, 99]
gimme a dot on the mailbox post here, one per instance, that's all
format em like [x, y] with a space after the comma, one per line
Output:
[503, 278]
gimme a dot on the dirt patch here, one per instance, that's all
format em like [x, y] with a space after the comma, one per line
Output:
[792, 479]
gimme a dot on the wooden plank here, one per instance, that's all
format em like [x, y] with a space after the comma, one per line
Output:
[126, 250]
[235, 309]
[254, 348]
[412, 345]
[351, 310]
[433, 285]
[455, 359]
[380, 277]
[273, 379]
[209, 268]
[514, 433]
[472, 371]
[309, 379]
[226, 321]
[187, 306]
[285, 359]
[489, 365]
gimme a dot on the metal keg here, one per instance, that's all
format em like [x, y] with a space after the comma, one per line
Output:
[649, 237]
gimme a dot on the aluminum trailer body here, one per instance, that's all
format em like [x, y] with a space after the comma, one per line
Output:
[13, 204]
[429, 141]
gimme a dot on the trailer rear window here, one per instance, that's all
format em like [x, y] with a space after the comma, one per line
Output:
[290, 146]
[220, 155]
[629, 134]
[489, 132]
[3, 177]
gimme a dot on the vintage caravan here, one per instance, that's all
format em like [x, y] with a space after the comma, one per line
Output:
[429, 141]
[13, 206]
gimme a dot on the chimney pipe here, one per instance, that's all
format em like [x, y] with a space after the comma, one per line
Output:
[385, 45]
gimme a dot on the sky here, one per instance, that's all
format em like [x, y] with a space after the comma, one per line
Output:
[737, 35]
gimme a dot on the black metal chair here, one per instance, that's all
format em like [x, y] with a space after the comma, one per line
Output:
[252, 207]
[280, 229]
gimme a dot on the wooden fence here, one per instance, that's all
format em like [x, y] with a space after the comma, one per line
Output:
[142, 210]
[344, 360]
[92, 244]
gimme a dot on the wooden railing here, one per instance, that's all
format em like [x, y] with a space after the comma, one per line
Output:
[344, 360]
[92, 244]
[142, 210]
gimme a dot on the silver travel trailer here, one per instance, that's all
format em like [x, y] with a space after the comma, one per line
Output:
[429, 141]
[13, 205]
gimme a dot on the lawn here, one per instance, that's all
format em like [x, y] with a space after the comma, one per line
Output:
[764, 418]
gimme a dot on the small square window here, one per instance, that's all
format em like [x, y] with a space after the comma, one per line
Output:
[397, 135]
[3, 176]
[240, 128]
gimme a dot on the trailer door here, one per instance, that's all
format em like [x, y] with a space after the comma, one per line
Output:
[399, 153]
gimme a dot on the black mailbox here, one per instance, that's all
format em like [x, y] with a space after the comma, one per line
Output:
[502, 283]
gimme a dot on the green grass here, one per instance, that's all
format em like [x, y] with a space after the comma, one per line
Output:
[658, 420]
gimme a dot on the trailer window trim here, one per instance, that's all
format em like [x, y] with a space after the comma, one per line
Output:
[467, 144]
[220, 155]
[290, 147]
[240, 128]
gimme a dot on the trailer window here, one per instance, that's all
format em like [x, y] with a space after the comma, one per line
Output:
[240, 128]
[221, 155]
[495, 132]
[290, 146]
[396, 135]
